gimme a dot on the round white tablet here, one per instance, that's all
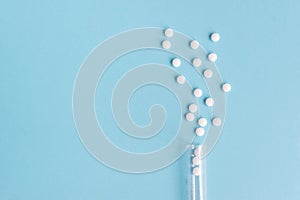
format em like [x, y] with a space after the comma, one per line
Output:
[202, 122]
[194, 44]
[212, 57]
[190, 117]
[198, 151]
[226, 87]
[215, 37]
[193, 108]
[198, 92]
[196, 171]
[209, 101]
[216, 121]
[196, 62]
[176, 62]
[169, 32]
[180, 79]
[166, 44]
[200, 131]
[196, 161]
[208, 73]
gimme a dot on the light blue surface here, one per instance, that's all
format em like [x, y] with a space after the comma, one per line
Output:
[43, 43]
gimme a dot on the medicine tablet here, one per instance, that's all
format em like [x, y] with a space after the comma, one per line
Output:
[198, 151]
[196, 62]
[176, 62]
[200, 131]
[190, 117]
[198, 92]
[216, 121]
[212, 57]
[180, 79]
[193, 108]
[196, 171]
[169, 32]
[209, 101]
[196, 161]
[166, 44]
[226, 87]
[208, 73]
[194, 44]
[215, 37]
[202, 122]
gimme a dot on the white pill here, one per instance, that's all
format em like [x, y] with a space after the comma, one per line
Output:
[198, 151]
[215, 37]
[212, 57]
[180, 79]
[216, 121]
[208, 73]
[196, 161]
[196, 62]
[200, 131]
[209, 101]
[226, 87]
[202, 122]
[198, 92]
[193, 108]
[190, 117]
[194, 44]
[196, 171]
[169, 32]
[166, 44]
[176, 62]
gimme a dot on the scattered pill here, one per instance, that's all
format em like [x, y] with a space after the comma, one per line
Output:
[209, 101]
[200, 131]
[212, 57]
[176, 62]
[198, 92]
[226, 87]
[215, 37]
[196, 62]
[190, 117]
[208, 73]
[193, 108]
[180, 79]
[202, 122]
[169, 32]
[194, 44]
[216, 121]
[166, 44]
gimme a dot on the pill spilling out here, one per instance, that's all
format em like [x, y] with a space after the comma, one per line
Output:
[169, 32]
[197, 92]
[193, 108]
[166, 44]
[208, 73]
[202, 122]
[216, 121]
[226, 87]
[196, 62]
[180, 79]
[209, 101]
[215, 37]
[200, 131]
[194, 44]
[212, 57]
[176, 62]
[190, 117]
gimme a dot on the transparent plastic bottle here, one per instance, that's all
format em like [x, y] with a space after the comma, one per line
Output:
[197, 174]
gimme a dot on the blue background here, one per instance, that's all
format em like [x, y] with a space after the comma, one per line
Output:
[43, 43]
